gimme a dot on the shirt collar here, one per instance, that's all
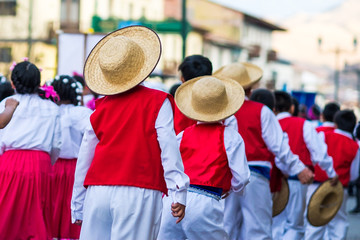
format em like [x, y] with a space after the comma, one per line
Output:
[344, 133]
[283, 115]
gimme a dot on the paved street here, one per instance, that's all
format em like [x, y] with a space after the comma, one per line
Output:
[354, 220]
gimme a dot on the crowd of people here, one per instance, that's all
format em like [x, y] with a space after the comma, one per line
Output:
[131, 162]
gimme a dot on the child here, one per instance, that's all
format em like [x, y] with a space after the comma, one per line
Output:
[129, 156]
[74, 119]
[327, 117]
[213, 156]
[306, 143]
[28, 144]
[345, 153]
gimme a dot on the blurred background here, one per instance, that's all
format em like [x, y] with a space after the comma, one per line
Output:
[305, 47]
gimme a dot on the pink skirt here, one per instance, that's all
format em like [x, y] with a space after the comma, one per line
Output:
[25, 201]
[61, 192]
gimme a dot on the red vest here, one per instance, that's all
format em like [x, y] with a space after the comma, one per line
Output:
[343, 151]
[249, 124]
[204, 156]
[321, 175]
[128, 152]
[294, 127]
[181, 121]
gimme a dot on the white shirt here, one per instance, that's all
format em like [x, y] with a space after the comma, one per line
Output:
[176, 180]
[35, 125]
[355, 164]
[316, 146]
[235, 151]
[74, 120]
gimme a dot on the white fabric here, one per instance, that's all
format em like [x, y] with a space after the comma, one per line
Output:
[176, 180]
[74, 120]
[316, 146]
[35, 125]
[121, 212]
[203, 220]
[249, 216]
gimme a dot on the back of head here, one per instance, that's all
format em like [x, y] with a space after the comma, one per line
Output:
[67, 88]
[26, 78]
[345, 120]
[6, 89]
[283, 101]
[314, 112]
[330, 110]
[195, 66]
[263, 96]
[174, 88]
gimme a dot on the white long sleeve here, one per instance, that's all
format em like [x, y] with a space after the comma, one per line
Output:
[355, 167]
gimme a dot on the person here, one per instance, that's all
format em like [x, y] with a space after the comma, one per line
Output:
[74, 119]
[295, 104]
[32, 143]
[356, 183]
[129, 155]
[263, 96]
[213, 155]
[192, 66]
[250, 216]
[306, 143]
[173, 88]
[346, 156]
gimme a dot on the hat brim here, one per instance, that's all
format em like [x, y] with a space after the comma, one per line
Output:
[281, 198]
[324, 203]
[148, 41]
[234, 91]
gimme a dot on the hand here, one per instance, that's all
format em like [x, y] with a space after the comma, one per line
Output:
[334, 180]
[306, 176]
[12, 103]
[78, 222]
[178, 210]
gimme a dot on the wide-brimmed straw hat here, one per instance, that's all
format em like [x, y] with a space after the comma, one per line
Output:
[122, 59]
[280, 198]
[325, 203]
[247, 74]
[209, 98]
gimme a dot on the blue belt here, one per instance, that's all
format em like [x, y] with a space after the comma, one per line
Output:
[212, 192]
[264, 171]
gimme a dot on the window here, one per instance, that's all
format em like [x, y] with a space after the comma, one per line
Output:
[5, 54]
[69, 15]
[7, 7]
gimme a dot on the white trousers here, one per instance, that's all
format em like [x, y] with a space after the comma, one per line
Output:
[203, 219]
[121, 212]
[289, 224]
[336, 229]
[249, 216]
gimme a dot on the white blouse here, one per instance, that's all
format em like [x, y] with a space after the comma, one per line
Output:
[74, 120]
[35, 125]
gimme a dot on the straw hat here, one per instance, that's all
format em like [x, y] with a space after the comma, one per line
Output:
[122, 59]
[281, 198]
[324, 203]
[209, 98]
[246, 74]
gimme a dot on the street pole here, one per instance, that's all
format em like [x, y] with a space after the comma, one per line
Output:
[29, 40]
[183, 28]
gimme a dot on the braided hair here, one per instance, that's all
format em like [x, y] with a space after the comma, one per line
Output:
[68, 88]
[26, 78]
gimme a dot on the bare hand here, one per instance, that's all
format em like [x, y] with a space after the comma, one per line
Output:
[12, 103]
[178, 210]
[334, 180]
[78, 222]
[306, 176]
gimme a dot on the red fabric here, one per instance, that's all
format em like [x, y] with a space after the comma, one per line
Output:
[128, 152]
[294, 127]
[25, 199]
[343, 151]
[321, 175]
[204, 156]
[275, 179]
[181, 121]
[249, 125]
[325, 129]
[61, 192]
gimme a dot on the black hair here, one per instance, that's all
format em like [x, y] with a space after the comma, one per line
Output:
[263, 96]
[329, 111]
[68, 88]
[26, 78]
[80, 79]
[357, 131]
[345, 120]
[283, 101]
[6, 89]
[295, 102]
[174, 88]
[195, 66]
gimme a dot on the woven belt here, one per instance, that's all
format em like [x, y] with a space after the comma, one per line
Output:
[203, 192]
